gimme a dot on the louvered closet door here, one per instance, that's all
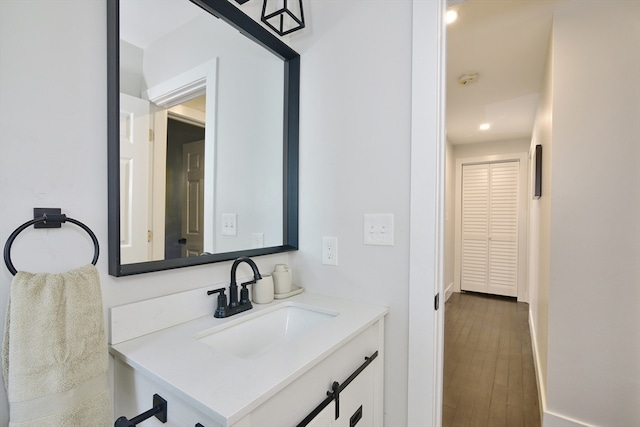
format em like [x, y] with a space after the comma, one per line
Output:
[475, 228]
[489, 228]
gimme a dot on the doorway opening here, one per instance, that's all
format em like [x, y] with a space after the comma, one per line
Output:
[185, 189]
[503, 45]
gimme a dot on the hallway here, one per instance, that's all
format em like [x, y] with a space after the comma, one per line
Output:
[489, 376]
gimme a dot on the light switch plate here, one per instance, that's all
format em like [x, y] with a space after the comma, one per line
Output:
[378, 229]
[229, 224]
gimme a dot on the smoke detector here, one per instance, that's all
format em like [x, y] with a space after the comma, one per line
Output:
[468, 78]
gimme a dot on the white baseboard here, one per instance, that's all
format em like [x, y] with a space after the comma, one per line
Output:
[549, 419]
[555, 420]
[448, 292]
[542, 397]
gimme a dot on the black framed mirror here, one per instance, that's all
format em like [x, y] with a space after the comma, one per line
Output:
[237, 186]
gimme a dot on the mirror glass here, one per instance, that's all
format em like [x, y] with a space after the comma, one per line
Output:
[203, 140]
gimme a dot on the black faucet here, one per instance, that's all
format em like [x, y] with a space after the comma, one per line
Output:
[236, 306]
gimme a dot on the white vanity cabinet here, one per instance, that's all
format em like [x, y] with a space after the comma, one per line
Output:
[291, 405]
[214, 388]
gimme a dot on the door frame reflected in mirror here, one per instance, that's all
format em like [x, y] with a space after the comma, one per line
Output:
[230, 14]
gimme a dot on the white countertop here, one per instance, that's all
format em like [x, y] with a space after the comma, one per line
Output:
[226, 387]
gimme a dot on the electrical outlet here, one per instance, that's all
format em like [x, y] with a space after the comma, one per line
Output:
[229, 224]
[330, 250]
[257, 240]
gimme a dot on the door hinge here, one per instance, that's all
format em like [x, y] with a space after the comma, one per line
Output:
[436, 302]
[149, 236]
[150, 134]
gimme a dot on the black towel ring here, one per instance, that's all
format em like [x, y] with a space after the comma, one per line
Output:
[51, 218]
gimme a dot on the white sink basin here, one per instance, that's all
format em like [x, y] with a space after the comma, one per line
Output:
[256, 335]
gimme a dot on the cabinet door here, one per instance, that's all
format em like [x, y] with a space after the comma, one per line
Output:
[325, 418]
[356, 404]
[291, 405]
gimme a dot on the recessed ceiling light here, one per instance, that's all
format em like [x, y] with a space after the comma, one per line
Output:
[485, 126]
[451, 16]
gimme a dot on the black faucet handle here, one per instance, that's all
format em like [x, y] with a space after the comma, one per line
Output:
[244, 293]
[213, 291]
[221, 311]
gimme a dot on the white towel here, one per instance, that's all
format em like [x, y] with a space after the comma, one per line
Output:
[54, 353]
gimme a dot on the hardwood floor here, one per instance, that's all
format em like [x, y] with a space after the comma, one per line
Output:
[489, 376]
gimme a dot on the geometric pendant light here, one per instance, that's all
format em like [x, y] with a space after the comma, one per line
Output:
[283, 16]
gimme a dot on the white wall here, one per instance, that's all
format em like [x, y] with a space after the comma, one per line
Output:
[354, 159]
[593, 238]
[594, 289]
[449, 215]
[131, 79]
[491, 148]
[355, 155]
[539, 233]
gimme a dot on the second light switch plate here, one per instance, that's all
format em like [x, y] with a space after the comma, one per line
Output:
[378, 229]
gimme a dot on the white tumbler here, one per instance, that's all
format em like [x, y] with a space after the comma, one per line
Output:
[263, 290]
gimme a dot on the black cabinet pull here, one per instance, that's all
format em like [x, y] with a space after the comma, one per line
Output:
[334, 394]
[357, 416]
